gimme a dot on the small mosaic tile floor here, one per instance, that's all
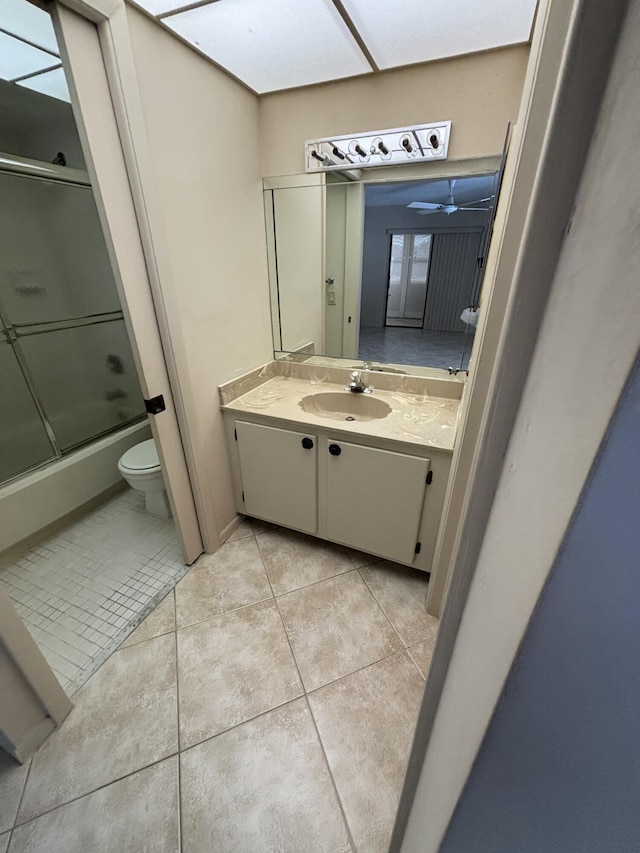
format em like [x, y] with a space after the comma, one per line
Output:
[82, 590]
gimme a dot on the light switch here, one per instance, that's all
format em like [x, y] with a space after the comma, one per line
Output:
[331, 297]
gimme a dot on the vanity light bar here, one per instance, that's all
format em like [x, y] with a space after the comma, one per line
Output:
[379, 148]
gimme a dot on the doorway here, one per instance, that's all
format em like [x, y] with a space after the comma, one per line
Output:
[409, 259]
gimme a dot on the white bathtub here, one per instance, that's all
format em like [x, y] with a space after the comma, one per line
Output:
[43, 497]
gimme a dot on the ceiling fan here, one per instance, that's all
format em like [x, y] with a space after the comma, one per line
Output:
[425, 207]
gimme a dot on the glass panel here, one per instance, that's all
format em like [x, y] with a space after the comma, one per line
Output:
[85, 378]
[18, 58]
[25, 20]
[394, 301]
[23, 439]
[52, 83]
[54, 259]
[417, 285]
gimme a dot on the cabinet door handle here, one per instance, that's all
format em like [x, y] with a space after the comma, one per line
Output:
[307, 443]
[335, 449]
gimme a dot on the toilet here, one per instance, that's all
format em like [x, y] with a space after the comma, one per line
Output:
[140, 467]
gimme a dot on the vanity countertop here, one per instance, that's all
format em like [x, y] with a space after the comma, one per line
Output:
[417, 419]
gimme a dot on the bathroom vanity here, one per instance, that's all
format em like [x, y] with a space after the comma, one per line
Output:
[368, 471]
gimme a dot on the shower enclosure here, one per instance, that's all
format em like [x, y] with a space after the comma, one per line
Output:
[67, 374]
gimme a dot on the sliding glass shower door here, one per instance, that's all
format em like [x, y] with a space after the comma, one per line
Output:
[67, 373]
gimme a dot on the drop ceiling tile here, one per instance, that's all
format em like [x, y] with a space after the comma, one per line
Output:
[274, 44]
[408, 31]
[52, 83]
[18, 58]
[159, 7]
[27, 21]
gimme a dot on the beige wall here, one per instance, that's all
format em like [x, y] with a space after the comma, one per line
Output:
[479, 93]
[203, 137]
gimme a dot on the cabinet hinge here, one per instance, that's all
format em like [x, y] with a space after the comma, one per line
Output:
[235, 434]
[243, 497]
[429, 478]
[418, 547]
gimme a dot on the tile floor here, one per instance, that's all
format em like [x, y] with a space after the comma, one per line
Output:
[267, 704]
[394, 345]
[82, 590]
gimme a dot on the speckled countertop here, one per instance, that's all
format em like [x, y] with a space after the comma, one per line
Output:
[420, 419]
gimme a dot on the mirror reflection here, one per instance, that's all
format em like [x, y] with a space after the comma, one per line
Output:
[386, 272]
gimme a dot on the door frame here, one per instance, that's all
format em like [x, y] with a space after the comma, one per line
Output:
[571, 55]
[97, 55]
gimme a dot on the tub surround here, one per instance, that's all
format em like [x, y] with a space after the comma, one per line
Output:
[375, 485]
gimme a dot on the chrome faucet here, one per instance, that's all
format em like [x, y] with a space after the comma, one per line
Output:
[357, 384]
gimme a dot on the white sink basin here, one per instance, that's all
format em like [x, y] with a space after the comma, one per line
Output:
[345, 406]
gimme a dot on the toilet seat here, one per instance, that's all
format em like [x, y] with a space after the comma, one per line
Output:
[142, 457]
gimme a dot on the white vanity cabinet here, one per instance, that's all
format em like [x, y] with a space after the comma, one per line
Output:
[375, 499]
[279, 475]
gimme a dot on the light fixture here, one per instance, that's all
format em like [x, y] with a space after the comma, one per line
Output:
[379, 147]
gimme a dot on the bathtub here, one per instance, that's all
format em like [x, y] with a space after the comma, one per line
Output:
[46, 496]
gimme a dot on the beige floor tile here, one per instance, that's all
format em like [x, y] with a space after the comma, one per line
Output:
[263, 786]
[138, 814]
[294, 560]
[335, 627]
[125, 718]
[422, 652]
[12, 779]
[359, 558]
[402, 593]
[232, 668]
[232, 577]
[366, 723]
[160, 621]
[4, 842]
[241, 532]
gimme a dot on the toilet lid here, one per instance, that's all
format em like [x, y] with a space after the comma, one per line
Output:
[142, 456]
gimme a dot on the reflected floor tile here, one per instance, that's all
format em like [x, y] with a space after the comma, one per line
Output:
[138, 814]
[263, 786]
[12, 779]
[125, 718]
[294, 560]
[366, 723]
[402, 594]
[233, 668]
[232, 577]
[335, 627]
[160, 621]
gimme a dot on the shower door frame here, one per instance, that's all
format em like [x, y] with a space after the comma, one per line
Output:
[98, 62]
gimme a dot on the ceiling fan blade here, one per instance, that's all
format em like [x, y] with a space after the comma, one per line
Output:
[427, 212]
[473, 208]
[425, 205]
[478, 200]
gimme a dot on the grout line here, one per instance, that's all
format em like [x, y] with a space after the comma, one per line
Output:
[92, 791]
[224, 613]
[24, 788]
[179, 739]
[242, 723]
[384, 612]
[333, 781]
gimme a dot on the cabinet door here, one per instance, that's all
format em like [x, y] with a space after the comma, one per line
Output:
[375, 499]
[279, 475]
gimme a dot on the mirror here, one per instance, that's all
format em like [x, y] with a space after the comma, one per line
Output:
[380, 270]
